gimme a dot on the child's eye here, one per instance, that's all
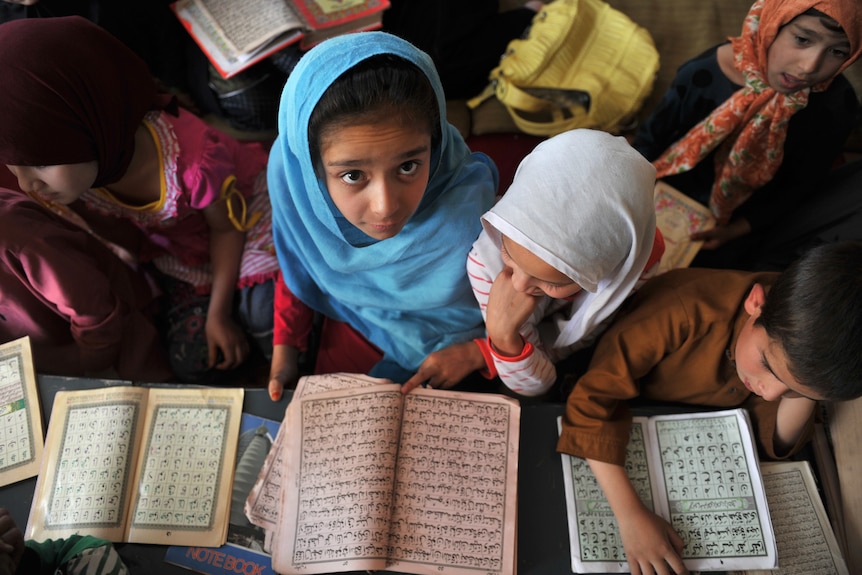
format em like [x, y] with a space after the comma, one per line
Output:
[801, 40]
[840, 54]
[408, 168]
[352, 177]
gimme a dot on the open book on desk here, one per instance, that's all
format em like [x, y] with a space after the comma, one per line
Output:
[806, 542]
[21, 436]
[376, 480]
[237, 34]
[697, 470]
[138, 464]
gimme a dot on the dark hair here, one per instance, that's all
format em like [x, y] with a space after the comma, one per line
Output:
[383, 86]
[814, 312]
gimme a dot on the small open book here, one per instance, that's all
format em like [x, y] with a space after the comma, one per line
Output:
[697, 470]
[138, 464]
[235, 35]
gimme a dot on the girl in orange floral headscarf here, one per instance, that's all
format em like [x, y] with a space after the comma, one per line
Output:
[789, 57]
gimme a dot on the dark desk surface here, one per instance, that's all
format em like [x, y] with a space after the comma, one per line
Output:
[543, 540]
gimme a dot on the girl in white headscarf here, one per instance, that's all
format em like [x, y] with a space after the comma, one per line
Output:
[574, 236]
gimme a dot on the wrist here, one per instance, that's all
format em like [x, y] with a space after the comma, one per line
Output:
[507, 347]
[490, 369]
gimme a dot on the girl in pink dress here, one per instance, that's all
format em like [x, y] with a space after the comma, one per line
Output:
[82, 119]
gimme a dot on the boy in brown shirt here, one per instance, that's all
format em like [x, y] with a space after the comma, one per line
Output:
[772, 343]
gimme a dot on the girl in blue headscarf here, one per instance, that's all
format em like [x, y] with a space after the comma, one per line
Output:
[376, 201]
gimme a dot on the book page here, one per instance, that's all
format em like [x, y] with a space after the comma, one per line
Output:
[709, 477]
[678, 216]
[244, 551]
[806, 543]
[263, 503]
[594, 534]
[222, 54]
[246, 27]
[455, 504]
[21, 438]
[335, 511]
[88, 464]
[185, 470]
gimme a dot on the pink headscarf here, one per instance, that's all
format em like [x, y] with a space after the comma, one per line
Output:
[70, 93]
[749, 129]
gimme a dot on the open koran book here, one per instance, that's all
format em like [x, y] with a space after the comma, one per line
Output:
[806, 542]
[420, 483]
[678, 216]
[138, 464]
[697, 470]
[21, 436]
[237, 34]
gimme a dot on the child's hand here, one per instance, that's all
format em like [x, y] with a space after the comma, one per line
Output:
[716, 237]
[11, 543]
[651, 544]
[507, 311]
[226, 336]
[283, 371]
[444, 368]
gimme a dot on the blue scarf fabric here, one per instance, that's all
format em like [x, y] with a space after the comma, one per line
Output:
[409, 294]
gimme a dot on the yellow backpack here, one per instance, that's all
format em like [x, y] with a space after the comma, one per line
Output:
[583, 64]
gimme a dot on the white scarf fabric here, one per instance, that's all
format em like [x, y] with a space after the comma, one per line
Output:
[582, 201]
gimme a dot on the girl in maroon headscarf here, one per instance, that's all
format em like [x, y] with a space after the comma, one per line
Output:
[82, 119]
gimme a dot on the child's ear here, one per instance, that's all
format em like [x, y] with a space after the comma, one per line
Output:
[755, 300]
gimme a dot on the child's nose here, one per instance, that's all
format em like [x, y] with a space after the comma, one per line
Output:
[384, 199]
[520, 280]
[810, 61]
[772, 391]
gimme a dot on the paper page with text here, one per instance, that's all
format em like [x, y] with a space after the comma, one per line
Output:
[434, 494]
[455, 504]
[593, 530]
[256, 24]
[185, 470]
[84, 485]
[709, 482]
[262, 505]
[336, 505]
[693, 469]
[222, 53]
[21, 437]
[806, 542]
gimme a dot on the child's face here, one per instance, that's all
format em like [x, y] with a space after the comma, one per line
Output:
[63, 183]
[377, 173]
[532, 275]
[761, 362]
[805, 53]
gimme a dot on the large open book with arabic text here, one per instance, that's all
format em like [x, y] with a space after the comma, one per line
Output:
[372, 479]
